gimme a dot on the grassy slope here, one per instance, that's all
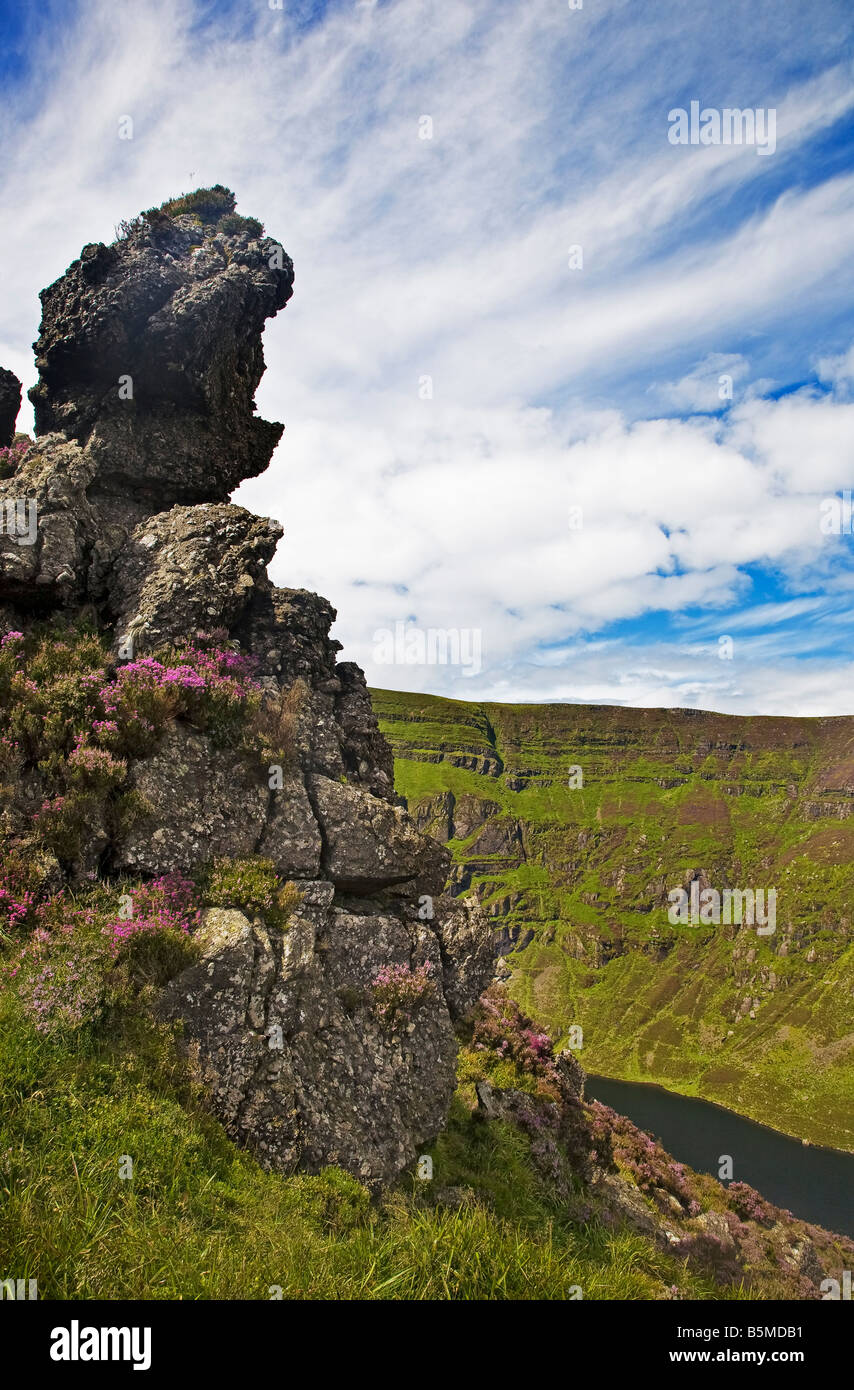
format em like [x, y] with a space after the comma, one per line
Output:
[200, 1219]
[753, 802]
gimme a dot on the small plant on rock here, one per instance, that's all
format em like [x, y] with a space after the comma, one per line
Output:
[253, 885]
[398, 993]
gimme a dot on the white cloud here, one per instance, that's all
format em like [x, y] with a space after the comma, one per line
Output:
[448, 257]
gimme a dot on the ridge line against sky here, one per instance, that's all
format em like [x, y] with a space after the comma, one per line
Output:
[517, 305]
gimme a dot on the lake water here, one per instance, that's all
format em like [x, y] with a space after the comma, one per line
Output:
[814, 1183]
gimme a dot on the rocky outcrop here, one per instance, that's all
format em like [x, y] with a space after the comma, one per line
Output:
[150, 351]
[187, 569]
[369, 845]
[10, 404]
[286, 1037]
[149, 355]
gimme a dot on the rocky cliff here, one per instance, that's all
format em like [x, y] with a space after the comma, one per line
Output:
[572, 823]
[208, 877]
[210, 704]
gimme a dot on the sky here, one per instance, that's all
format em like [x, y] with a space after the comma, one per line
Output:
[566, 402]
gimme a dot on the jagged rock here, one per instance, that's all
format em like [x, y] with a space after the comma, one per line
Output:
[367, 756]
[193, 794]
[434, 815]
[369, 845]
[287, 630]
[206, 802]
[469, 813]
[291, 837]
[499, 837]
[487, 1101]
[46, 562]
[714, 1223]
[189, 569]
[571, 1075]
[150, 353]
[468, 952]
[284, 1036]
[10, 404]
[802, 1257]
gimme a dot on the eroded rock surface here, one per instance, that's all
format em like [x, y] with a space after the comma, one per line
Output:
[284, 1032]
[10, 404]
[150, 352]
[183, 570]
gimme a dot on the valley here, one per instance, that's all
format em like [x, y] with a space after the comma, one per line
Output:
[571, 824]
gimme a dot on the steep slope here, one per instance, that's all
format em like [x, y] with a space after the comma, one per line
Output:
[572, 823]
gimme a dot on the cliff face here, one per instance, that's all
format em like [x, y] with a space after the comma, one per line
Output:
[572, 823]
[149, 355]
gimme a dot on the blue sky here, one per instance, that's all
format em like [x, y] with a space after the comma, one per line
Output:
[446, 504]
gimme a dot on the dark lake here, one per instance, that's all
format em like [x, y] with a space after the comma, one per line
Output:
[814, 1183]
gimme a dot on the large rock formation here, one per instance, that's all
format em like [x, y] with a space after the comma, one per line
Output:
[150, 351]
[149, 355]
[10, 404]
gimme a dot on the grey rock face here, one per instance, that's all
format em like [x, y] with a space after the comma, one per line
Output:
[10, 404]
[50, 486]
[192, 791]
[207, 803]
[370, 845]
[284, 1033]
[187, 569]
[150, 351]
[367, 755]
[468, 953]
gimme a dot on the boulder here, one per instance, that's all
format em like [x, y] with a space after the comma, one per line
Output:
[282, 1028]
[201, 803]
[369, 844]
[187, 570]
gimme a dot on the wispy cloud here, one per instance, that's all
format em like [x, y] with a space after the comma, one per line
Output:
[452, 386]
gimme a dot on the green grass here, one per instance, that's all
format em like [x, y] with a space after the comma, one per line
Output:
[200, 1219]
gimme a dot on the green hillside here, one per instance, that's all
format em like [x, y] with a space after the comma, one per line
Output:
[577, 876]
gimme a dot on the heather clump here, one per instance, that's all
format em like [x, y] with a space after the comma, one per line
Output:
[503, 1032]
[398, 991]
[252, 885]
[637, 1154]
[12, 454]
[76, 718]
[747, 1204]
[21, 880]
[541, 1120]
[210, 686]
[103, 948]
